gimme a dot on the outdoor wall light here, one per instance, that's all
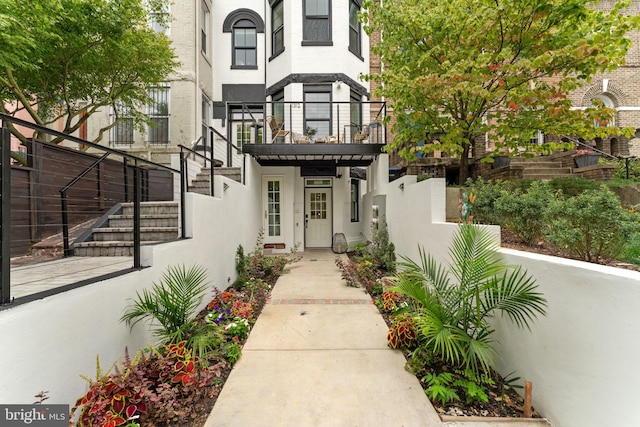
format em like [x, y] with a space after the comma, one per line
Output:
[338, 84]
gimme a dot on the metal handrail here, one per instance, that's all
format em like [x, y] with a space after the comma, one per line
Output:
[577, 142]
[5, 271]
[63, 202]
[183, 165]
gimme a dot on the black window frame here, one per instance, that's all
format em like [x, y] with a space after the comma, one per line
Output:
[244, 25]
[277, 31]
[277, 110]
[308, 19]
[357, 31]
[354, 204]
[318, 88]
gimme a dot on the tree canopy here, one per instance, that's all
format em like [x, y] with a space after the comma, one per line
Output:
[457, 70]
[68, 59]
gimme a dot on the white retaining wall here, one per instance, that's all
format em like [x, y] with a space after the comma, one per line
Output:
[582, 357]
[48, 343]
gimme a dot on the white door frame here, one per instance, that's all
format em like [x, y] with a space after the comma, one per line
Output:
[309, 221]
[273, 208]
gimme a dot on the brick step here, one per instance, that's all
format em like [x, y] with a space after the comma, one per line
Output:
[152, 208]
[543, 177]
[234, 173]
[547, 171]
[147, 234]
[159, 220]
[539, 159]
[114, 248]
[535, 165]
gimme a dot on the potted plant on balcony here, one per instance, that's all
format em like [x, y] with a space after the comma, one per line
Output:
[311, 132]
[586, 157]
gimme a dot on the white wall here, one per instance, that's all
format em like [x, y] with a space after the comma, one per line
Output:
[48, 343]
[582, 357]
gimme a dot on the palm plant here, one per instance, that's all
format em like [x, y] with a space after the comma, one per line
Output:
[453, 316]
[171, 304]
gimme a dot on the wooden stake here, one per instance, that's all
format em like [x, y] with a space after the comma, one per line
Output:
[527, 399]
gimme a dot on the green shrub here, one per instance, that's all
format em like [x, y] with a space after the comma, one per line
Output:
[171, 304]
[571, 187]
[631, 250]
[523, 213]
[382, 250]
[452, 306]
[634, 170]
[592, 226]
[486, 193]
[242, 266]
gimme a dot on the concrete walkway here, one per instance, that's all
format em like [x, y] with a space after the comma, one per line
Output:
[318, 356]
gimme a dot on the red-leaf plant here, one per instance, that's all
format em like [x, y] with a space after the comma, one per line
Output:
[402, 333]
[156, 387]
[110, 401]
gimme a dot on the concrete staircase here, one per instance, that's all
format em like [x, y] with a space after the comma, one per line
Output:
[159, 222]
[201, 183]
[542, 168]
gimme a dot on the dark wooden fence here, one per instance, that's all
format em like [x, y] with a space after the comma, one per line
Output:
[35, 203]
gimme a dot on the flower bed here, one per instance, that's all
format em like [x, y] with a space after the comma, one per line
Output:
[177, 382]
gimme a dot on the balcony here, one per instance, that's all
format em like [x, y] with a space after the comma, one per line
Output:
[310, 133]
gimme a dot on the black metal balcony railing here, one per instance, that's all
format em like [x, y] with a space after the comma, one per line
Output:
[308, 123]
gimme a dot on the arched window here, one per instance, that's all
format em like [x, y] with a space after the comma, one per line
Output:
[608, 103]
[245, 44]
[244, 24]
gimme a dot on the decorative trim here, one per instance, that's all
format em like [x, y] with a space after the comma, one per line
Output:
[615, 93]
[318, 78]
[239, 14]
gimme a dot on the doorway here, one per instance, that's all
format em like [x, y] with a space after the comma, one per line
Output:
[318, 217]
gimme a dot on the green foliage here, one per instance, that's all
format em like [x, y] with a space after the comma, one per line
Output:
[486, 194]
[242, 268]
[453, 317]
[382, 250]
[571, 186]
[461, 69]
[634, 170]
[440, 387]
[73, 58]
[472, 391]
[257, 266]
[631, 249]
[232, 352]
[592, 226]
[524, 212]
[171, 303]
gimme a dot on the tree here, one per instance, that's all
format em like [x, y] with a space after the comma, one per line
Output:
[68, 59]
[458, 70]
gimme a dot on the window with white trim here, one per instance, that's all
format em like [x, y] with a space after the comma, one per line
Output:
[206, 114]
[204, 28]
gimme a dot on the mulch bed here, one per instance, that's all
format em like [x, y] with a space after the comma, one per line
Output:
[511, 241]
